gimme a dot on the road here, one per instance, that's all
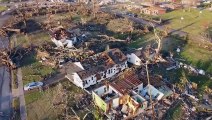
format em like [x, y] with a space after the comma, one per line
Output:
[5, 93]
[5, 80]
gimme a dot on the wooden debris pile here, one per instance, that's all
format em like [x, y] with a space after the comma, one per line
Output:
[5, 59]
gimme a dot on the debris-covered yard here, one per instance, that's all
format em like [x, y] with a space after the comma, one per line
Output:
[64, 100]
[74, 34]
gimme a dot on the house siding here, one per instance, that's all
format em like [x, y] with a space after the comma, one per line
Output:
[132, 58]
[104, 74]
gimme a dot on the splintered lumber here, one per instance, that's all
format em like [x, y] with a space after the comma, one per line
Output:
[13, 30]
[111, 38]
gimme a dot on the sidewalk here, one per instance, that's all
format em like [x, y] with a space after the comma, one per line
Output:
[21, 95]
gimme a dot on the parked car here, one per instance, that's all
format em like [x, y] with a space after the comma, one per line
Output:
[33, 85]
[131, 14]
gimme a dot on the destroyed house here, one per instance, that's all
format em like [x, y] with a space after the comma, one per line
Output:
[60, 34]
[151, 91]
[120, 96]
[99, 67]
[141, 55]
[127, 83]
[67, 38]
[153, 10]
[61, 38]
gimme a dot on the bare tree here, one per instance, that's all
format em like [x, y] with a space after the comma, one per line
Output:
[158, 39]
[95, 7]
[191, 3]
[150, 91]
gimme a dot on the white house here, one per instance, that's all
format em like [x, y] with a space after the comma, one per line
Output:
[140, 56]
[151, 90]
[134, 59]
[97, 68]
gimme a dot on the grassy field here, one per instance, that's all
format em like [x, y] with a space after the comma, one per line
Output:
[39, 105]
[36, 38]
[175, 113]
[194, 22]
[192, 50]
[174, 76]
[33, 70]
[168, 44]
[3, 8]
[143, 40]
[42, 105]
[198, 56]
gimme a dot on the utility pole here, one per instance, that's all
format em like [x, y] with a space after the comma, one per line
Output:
[93, 5]
[149, 91]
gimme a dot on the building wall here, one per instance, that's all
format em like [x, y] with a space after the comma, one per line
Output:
[115, 103]
[92, 80]
[132, 104]
[79, 65]
[99, 102]
[140, 87]
[132, 58]
[58, 43]
[105, 90]
[153, 91]
[77, 80]
[161, 12]
[111, 72]
[101, 90]
[97, 93]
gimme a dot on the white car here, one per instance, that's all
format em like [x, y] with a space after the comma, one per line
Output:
[33, 85]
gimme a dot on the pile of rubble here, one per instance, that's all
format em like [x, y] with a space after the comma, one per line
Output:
[82, 102]
[67, 38]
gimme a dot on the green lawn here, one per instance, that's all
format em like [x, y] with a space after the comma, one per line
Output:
[3, 8]
[195, 55]
[198, 56]
[33, 70]
[142, 40]
[50, 104]
[175, 113]
[193, 23]
[40, 105]
[168, 44]
[202, 82]
[36, 38]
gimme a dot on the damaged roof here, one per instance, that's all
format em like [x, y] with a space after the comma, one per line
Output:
[72, 68]
[101, 62]
[155, 80]
[116, 55]
[128, 82]
[145, 54]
